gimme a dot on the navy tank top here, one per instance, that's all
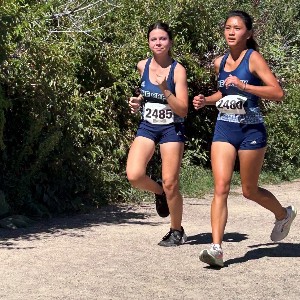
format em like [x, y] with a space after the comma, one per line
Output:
[253, 114]
[152, 93]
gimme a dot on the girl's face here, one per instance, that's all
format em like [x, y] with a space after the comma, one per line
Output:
[159, 41]
[236, 32]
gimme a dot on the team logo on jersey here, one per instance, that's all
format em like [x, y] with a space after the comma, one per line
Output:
[221, 83]
[143, 84]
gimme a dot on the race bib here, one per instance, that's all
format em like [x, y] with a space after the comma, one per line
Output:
[157, 113]
[232, 104]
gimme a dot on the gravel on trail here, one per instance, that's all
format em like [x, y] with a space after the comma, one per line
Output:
[112, 253]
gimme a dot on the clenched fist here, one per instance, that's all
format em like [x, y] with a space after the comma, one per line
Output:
[135, 103]
[199, 101]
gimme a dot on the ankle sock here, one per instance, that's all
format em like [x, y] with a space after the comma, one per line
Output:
[217, 247]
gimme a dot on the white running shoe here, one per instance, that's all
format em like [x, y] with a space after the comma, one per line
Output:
[213, 256]
[282, 227]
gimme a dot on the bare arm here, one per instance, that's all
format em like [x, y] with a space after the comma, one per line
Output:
[135, 102]
[141, 66]
[271, 89]
[178, 103]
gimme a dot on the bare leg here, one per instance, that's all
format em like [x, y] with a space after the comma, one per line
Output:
[223, 156]
[171, 154]
[140, 153]
[251, 162]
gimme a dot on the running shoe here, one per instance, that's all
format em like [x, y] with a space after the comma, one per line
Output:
[161, 203]
[282, 227]
[173, 238]
[212, 256]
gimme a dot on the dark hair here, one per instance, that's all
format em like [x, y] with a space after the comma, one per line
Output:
[160, 25]
[251, 43]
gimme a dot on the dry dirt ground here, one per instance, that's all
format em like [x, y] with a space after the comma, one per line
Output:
[112, 253]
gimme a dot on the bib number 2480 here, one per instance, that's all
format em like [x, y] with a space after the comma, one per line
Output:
[232, 104]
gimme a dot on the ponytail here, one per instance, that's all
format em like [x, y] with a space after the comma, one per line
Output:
[252, 44]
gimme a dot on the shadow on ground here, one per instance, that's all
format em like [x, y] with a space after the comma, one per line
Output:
[108, 215]
[267, 250]
[206, 238]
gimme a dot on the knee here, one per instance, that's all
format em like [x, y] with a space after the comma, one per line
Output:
[249, 192]
[171, 187]
[222, 189]
[134, 177]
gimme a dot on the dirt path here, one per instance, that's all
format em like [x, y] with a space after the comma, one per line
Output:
[113, 254]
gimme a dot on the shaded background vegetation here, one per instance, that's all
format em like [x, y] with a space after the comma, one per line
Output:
[68, 68]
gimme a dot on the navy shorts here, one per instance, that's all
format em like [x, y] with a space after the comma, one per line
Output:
[161, 134]
[241, 136]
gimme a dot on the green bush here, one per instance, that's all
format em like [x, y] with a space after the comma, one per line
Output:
[67, 71]
[283, 127]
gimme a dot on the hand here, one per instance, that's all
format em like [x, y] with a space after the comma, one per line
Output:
[135, 103]
[162, 82]
[199, 101]
[234, 81]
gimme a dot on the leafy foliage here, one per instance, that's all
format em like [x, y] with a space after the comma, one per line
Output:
[68, 68]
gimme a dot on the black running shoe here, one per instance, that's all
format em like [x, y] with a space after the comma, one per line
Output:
[173, 238]
[161, 203]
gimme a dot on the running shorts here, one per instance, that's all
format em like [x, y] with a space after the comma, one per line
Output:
[241, 136]
[161, 134]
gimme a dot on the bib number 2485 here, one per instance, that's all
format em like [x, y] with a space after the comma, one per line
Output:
[157, 113]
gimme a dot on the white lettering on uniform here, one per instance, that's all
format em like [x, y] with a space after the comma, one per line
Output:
[222, 82]
[148, 94]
